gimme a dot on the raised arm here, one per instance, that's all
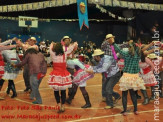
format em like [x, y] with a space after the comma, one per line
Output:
[71, 48]
[123, 53]
[147, 46]
[6, 42]
[7, 47]
[148, 61]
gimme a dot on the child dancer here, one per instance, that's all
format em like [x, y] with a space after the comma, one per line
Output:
[3, 47]
[146, 72]
[79, 79]
[10, 56]
[60, 78]
[130, 81]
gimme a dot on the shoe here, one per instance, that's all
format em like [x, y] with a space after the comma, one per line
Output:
[35, 102]
[62, 108]
[124, 113]
[103, 99]
[88, 104]
[59, 109]
[108, 107]
[136, 112]
[1, 98]
[27, 89]
[116, 100]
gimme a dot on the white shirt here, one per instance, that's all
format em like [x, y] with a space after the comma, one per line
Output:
[72, 62]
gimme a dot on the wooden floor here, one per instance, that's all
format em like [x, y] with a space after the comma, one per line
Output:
[21, 108]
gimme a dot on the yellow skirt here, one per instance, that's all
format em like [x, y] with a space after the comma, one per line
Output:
[131, 81]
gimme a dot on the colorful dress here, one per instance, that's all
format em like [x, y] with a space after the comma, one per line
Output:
[60, 78]
[130, 78]
[10, 56]
[147, 75]
[1, 66]
[3, 47]
[80, 75]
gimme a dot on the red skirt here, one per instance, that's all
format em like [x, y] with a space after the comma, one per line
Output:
[2, 64]
[60, 78]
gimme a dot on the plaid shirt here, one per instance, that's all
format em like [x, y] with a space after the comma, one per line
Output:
[107, 65]
[131, 63]
[105, 46]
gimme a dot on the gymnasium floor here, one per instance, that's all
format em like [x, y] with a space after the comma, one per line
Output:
[20, 109]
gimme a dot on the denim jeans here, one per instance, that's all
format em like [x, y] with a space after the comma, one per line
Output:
[108, 88]
[35, 88]
[26, 76]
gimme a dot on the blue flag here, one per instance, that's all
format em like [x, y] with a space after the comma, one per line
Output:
[82, 13]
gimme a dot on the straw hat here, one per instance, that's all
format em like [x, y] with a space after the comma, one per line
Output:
[34, 39]
[152, 56]
[97, 52]
[66, 37]
[109, 36]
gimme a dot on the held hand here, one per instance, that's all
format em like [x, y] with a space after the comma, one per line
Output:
[13, 65]
[89, 71]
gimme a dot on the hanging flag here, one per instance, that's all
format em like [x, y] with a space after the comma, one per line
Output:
[82, 13]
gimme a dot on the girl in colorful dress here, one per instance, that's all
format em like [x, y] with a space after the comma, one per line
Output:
[60, 78]
[11, 57]
[146, 72]
[2, 64]
[79, 79]
[130, 81]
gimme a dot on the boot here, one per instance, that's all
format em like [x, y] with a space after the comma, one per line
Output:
[13, 90]
[69, 100]
[70, 92]
[9, 88]
[146, 99]
[160, 88]
[137, 95]
[152, 93]
[88, 104]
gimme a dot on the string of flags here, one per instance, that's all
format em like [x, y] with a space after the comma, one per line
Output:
[129, 5]
[103, 10]
[57, 3]
[48, 20]
[35, 5]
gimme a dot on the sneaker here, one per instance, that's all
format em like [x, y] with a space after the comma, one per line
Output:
[27, 89]
[124, 113]
[35, 102]
[108, 107]
[136, 112]
[1, 98]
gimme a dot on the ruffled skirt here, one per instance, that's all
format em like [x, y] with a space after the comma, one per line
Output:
[131, 81]
[9, 76]
[149, 79]
[1, 69]
[81, 76]
[60, 80]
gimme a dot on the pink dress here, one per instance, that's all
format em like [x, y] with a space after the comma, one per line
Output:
[146, 73]
[60, 78]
